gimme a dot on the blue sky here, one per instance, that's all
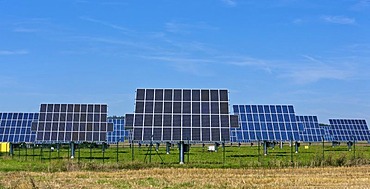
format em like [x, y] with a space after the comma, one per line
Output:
[314, 54]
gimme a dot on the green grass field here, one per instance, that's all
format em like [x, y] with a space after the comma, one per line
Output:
[246, 156]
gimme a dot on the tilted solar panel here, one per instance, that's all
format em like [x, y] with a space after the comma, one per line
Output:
[16, 127]
[349, 130]
[312, 131]
[181, 114]
[266, 122]
[72, 122]
[119, 134]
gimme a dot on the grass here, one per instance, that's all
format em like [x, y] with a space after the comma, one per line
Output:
[232, 167]
[329, 177]
[246, 156]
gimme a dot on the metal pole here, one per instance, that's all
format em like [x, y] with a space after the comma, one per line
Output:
[49, 153]
[26, 152]
[323, 149]
[58, 148]
[19, 151]
[188, 153]
[33, 152]
[291, 152]
[90, 152]
[132, 151]
[259, 150]
[156, 146]
[150, 152]
[79, 152]
[265, 148]
[41, 150]
[11, 149]
[117, 150]
[223, 151]
[168, 146]
[72, 144]
[354, 148]
[103, 146]
[181, 154]
[296, 147]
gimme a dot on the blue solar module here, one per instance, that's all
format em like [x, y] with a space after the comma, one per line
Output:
[349, 130]
[119, 134]
[64, 123]
[172, 115]
[312, 131]
[266, 122]
[16, 127]
[327, 135]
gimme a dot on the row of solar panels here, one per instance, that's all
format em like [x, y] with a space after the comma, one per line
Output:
[279, 122]
[170, 115]
[17, 128]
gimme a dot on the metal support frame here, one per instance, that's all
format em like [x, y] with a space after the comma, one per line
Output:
[265, 148]
[72, 145]
[296, 146]
[168, 147]
[181, 152]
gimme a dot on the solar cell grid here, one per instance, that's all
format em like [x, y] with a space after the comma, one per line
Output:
[72, 122]
[16, 127]
[311, 132]
[266, 122]
[119, 134]
[349, 130]
[184, 112]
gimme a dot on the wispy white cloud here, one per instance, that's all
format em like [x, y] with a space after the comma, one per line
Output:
[14, 52]
[361, 5]
[231, 3]
[176, 27]
[312, 70]
[193, 66]
[113, 26]
[339, 20]
[246, 61]
[298, 21]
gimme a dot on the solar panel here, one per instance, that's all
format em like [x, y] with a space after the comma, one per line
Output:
[16, 127]
[312, 132]
[349, 130]
[168, 115]
[327, 135]
[72, 122]
[119, 134]
[266, 122]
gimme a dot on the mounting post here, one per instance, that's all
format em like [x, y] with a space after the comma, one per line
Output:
[296, 146]
[157, 146]
[168, 147]
[72, 144]
[265, 148]
[323, 148]
[181, 152]
[117, 150]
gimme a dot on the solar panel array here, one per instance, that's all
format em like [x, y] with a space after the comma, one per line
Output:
[312, 132]
[72, 122]
[181, 114]
[266, 122]
[119, 134]
[16, 127]
[349, 130]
